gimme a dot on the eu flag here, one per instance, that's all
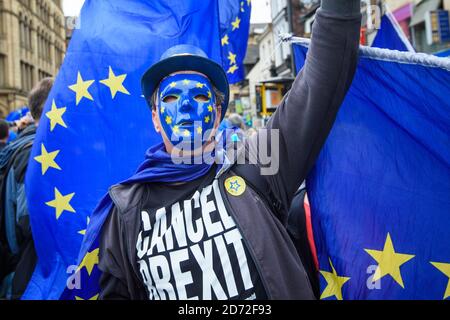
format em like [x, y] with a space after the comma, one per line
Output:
[234, 29]
[380, 190]
[96, 125]
[391, 36]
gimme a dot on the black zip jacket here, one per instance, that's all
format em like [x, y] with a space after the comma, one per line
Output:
[304, 120]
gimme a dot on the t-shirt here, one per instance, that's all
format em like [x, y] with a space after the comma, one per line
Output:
[189, 247]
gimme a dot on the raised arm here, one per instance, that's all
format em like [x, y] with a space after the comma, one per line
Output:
[307, 113]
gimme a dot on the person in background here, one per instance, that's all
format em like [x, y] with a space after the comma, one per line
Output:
[4, 134]
[20, 125]
[236, 121]
[236, 126]
[18, 257]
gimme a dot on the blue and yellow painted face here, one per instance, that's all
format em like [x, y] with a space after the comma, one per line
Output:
[186, 107]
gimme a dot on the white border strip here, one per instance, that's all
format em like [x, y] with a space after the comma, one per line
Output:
[423, 59]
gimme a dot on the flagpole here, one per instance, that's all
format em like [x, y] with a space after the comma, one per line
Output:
[418, 58]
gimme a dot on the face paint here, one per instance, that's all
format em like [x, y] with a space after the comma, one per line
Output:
[186, 107]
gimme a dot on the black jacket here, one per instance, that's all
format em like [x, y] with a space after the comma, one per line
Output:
[23, 262]
[304, 120]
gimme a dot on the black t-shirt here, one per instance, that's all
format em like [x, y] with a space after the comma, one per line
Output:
[189, 246]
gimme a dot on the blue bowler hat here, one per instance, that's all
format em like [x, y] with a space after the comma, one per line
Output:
[185, 57]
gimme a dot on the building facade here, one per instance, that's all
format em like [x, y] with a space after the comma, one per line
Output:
[419, 28]
[281, 25]
[32, 47]
[263, 69]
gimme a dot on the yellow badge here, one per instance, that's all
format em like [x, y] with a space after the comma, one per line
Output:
[235, 186]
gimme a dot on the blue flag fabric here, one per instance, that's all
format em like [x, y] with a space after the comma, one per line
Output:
[390, 36]
[443, 54]
[234, 29]
[380, 190]
[17, 114]
[96, 125]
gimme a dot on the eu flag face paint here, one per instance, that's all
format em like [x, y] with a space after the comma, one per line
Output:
[186, 107]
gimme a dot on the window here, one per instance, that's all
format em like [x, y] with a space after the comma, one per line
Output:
[2, 70]
[25, 33]
[2, 28]
[58, 55]
[38, 36]
[47, 47]
[263, 52]
[21, 30]
[27, 76]
[42, 74]
[30, 36]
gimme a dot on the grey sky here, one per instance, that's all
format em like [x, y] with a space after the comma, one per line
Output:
[260, 10]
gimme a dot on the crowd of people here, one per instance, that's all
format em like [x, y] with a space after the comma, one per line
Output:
[17, 254]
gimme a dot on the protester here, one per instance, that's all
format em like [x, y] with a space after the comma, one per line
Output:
[18, 254]
[219, 231]
[4, 134]
[236, 121]
[23, 123]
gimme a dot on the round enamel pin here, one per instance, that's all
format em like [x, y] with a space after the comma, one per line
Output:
[235, 186]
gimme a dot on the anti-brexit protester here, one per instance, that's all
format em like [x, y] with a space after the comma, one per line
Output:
[218, 230]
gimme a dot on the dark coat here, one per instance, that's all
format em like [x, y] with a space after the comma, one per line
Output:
[303, 120]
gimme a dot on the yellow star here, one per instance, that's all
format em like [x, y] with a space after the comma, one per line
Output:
[168, 119]
[334, 284]
[199, 130]
[445, 269]
[81, 88]
[55, 116]
[210, 108]
[209, 95]
[242, 6]
[200, 85]
[232, 69]
[83, 232]
[185, 82]
[163, 110]
[89, 261]
[207, 119]
[186, 133]
[176, 129]
[389, 261]
[61, 203]
[249, 2]
[173, 84]
[231, 57]
[236, 23]
[47, 159]
[224, 40]
[115, 83]
[93, 298]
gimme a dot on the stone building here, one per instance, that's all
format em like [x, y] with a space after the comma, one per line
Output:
[32, 46]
